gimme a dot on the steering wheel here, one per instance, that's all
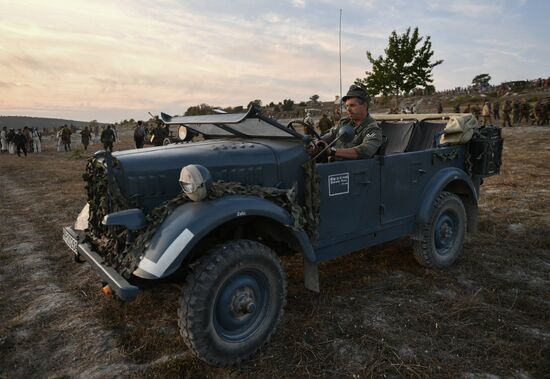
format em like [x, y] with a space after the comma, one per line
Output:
[314, 148]
[306, 126]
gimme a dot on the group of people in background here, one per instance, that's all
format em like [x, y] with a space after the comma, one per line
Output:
[157, 136]
[29, 140]
[26, 140]
[509, 114]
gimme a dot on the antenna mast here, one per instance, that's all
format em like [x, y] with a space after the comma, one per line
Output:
[340, 54]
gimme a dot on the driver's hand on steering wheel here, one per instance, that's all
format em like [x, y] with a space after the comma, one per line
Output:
[315, 147]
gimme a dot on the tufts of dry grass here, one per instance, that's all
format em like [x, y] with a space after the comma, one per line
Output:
[379, 313]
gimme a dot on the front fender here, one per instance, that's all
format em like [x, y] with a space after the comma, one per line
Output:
[436, 184]
[189, 223]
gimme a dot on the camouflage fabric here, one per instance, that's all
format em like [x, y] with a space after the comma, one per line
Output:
[448, 156]
[122, 249]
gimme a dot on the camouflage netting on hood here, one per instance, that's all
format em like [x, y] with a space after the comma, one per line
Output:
[123, 251]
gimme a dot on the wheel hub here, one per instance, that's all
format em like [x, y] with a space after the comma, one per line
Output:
[445, 232]
[241, 305]
[243, 302]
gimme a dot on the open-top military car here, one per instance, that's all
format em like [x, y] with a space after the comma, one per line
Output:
[222, 211]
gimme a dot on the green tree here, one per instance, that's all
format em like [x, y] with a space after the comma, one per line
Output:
[257, 102]
[288, 105]
[197, 110]
[407, 65]
[314, 98]
[481, 81]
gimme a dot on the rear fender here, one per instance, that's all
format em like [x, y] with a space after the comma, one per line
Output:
[448, 177]
[184, 228]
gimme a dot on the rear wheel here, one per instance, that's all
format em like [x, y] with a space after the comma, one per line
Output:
[442, 238]
[232, 302]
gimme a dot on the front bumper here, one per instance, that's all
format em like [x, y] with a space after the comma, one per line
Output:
[117, 282]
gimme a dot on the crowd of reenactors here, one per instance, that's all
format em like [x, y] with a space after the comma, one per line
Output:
[26, 140]
[511, 113]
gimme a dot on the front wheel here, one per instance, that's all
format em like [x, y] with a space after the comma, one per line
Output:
[232, 302]
[442, 238]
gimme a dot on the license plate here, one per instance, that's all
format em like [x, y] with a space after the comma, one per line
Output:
[70, 241]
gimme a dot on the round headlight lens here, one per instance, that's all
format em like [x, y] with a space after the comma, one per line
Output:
[182, 133]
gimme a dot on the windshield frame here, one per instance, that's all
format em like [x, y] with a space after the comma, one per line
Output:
[228, 122]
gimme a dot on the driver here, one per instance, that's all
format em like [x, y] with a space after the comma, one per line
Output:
[368, 135]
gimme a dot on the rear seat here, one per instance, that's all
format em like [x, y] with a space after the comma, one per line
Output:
[399, 135]
[423, 134]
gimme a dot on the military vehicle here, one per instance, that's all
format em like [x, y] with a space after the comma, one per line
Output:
[218, 214]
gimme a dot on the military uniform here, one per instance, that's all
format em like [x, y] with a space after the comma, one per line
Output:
[516, 108]
[85, 137]
[108, 138]
[66, 138]
[506, 114]
[367, 140]
[325, 124]
[496, 111]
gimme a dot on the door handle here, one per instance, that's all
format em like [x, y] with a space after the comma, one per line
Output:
[421, 171]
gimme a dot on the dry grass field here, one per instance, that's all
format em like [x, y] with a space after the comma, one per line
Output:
[379, 313]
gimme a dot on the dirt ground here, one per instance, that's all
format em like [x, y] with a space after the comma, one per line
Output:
[379, 313]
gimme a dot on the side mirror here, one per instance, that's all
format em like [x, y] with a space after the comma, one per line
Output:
[346, 133]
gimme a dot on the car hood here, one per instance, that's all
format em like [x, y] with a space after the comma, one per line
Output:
[154, 172]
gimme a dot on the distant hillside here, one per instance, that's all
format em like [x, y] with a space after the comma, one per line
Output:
[17, 122]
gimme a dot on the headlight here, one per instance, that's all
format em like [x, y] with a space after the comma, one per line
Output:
[186, 134]
[182, 133]
[195, 180]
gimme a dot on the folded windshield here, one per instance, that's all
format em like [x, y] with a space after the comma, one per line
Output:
[249, 124]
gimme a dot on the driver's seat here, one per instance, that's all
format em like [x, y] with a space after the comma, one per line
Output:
[382, 149]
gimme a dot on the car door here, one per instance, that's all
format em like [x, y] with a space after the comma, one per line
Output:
[349, 200]
[403, 176]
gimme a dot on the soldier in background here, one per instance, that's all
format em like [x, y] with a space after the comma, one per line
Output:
[158, 136]
[28, 137]
[324, 124]
[496, 111]
[139, 135]
[516, 108]
[525, 111]
[3, 140]
[308, 120]
[66, 138]
[36, 141]
[468, 109]
[439, 107]
[108, 138]
[457, 108]
[10, 138]
[20, 142]
[85, 136]
[539, 110]
[506, 113]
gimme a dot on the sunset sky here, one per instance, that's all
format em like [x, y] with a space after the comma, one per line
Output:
[111, 60]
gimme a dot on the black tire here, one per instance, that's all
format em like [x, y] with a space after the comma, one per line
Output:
[166, 141]
[232, 302]
[442, 238]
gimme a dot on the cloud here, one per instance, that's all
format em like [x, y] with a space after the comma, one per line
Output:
[298, 3]
[132, 57]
